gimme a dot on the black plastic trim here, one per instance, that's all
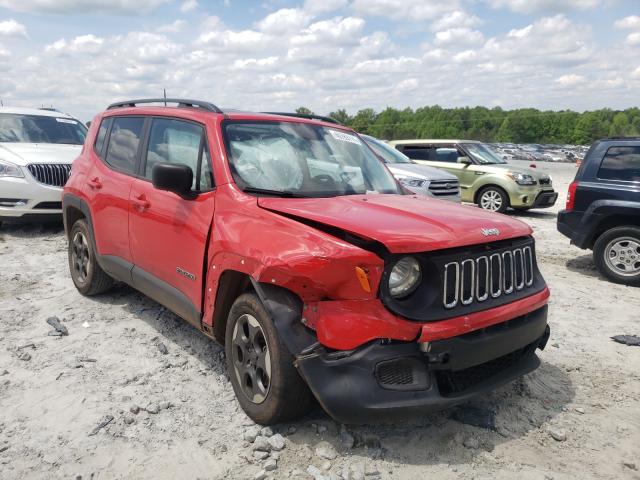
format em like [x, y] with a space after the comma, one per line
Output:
[425, 303]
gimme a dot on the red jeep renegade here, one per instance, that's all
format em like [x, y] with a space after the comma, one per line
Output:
[286, 240]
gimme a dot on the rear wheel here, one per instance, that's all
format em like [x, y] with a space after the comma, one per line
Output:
[493, 199]
[263, 376]
[616, 253]
[86, 273]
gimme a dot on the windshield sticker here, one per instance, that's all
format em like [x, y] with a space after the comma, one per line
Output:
[344, 137]
[66, 120]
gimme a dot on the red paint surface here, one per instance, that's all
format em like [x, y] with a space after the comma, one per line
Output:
[344, 325]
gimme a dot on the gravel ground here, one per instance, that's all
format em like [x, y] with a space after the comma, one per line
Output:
[133, 392]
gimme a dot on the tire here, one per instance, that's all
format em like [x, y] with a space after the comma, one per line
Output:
[85, 271]
[264, 379]
[616, 254]
[493, 199]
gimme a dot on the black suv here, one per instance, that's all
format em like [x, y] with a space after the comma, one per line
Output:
[603, 208]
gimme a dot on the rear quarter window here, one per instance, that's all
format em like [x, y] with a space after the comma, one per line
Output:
[124, 141]
[621, 163]
[101, 136]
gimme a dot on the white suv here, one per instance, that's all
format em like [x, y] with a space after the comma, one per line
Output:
[37, 148]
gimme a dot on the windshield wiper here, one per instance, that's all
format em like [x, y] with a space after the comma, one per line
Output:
[276, 193]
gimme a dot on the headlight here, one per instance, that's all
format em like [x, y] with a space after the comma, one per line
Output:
[523, 179]
[10, 170]
[405, 277]
[411, 181]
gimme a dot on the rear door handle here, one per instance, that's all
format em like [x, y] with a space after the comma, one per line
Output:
[141, 202]
[95, 183]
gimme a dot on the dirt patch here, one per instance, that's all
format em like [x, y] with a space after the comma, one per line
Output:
[108, 401]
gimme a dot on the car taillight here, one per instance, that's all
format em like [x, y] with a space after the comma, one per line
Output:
[571, 196]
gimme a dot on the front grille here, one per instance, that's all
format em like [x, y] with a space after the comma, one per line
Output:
[452, 383]
[466, 280]
[439, 188]
[545, 181]
[394, 373]
[407, 373]
[54, 174]
[476, 279]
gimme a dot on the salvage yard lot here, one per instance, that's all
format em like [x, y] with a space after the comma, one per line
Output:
[133, 392]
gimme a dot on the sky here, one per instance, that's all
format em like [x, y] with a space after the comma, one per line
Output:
[277, 55]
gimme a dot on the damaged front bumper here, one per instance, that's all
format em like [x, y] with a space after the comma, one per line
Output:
[383, 380]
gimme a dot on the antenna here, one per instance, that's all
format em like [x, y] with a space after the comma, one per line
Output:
[164, 90]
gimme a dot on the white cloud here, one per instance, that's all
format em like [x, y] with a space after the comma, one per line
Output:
[536, 6]
[630, 22]
[571, 80]
[11, 28]
[188, 6]
[455, 19]
[309, 56]
[633, 39]
[413, 10]
[459, 36]
[82, 44]
[81, 6]
[315, 7]
[551, 41]
[175, 27]
[284, 20]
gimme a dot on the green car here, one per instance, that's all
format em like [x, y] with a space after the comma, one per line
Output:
[485, 178]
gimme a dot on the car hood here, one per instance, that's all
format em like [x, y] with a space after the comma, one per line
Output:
[423, 172]
[403, 223]
[510, 167]
[26, 153]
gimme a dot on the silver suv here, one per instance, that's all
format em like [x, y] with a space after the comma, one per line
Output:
[418, 178]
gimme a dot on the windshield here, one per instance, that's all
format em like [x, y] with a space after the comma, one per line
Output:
[301, 159]
[386, 151]
[482, 154]
[17, 128]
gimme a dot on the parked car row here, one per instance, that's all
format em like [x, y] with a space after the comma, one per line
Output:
[287, 239]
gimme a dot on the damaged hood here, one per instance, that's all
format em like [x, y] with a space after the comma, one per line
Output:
[403, 223]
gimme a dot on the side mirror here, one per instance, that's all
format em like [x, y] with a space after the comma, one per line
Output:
[173, 177]
[464, 160]
[88, 124]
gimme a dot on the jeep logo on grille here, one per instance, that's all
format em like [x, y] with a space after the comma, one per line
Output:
[490, 232]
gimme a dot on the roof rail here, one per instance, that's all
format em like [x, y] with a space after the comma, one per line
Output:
[180, 101]
[623, 138]
[311, 116]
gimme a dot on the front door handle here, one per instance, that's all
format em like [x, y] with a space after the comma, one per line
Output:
[141, 202]
[95, 183]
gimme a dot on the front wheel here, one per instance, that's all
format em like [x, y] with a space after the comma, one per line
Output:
[616, 254]
[493, 199]
[264, 379]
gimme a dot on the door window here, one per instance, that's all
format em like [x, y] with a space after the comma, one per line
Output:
[124, 140]
[621, 163]
[448, 155]
[177, 141]
[418, 153]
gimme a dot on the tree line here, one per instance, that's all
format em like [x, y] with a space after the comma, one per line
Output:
[524, 125]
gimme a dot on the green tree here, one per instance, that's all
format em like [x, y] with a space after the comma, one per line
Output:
[303, 111]
[341, 116]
